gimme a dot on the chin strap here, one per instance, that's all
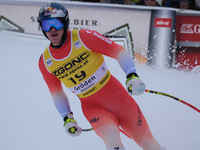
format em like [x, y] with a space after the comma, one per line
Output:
[62, 41]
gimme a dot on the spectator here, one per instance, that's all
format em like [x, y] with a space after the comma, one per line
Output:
[197, 5]
[152, 2]
[127, 2]
[187, 4]
[184, 4]
[136, 2]
[172, 3]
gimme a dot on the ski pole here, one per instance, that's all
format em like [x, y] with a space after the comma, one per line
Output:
[164, 94]
[88, 129]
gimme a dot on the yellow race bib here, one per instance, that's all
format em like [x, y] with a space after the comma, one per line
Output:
[83, 71]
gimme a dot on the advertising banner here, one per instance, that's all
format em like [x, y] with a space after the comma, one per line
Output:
[100, 17]
[188, 42]
[161, 38]
[188, 30]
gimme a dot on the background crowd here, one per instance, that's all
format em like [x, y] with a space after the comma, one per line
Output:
[181, 4]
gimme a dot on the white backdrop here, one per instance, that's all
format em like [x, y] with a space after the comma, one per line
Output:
[95, 16]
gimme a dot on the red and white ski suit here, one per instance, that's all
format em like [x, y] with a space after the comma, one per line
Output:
[106, 104]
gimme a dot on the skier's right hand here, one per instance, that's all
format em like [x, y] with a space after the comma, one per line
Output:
[71, 127]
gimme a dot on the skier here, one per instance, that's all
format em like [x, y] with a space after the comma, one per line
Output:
[75, 58]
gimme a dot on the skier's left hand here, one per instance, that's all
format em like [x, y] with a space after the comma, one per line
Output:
[71, 127]
[134, 84]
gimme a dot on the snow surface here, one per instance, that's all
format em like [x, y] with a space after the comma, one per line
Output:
[29, 120]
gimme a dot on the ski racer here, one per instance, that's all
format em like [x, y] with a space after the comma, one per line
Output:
[75, 58]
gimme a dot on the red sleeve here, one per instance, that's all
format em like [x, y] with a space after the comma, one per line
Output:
[53, 83]
[98, 43]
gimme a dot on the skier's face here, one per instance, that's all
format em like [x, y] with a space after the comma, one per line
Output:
[55, 35]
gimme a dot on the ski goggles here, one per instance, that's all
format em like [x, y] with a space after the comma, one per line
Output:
[49, 23]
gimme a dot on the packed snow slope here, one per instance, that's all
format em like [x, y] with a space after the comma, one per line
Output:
[29, 120]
